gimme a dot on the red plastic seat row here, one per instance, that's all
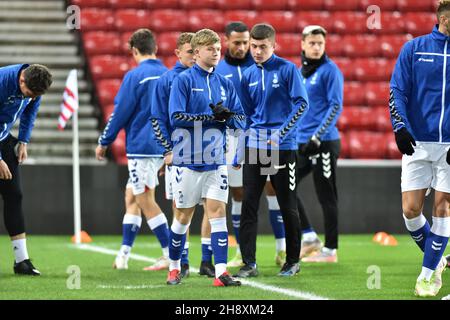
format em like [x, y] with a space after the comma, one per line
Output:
[366, 69]
[366, 94]
[365, 118]
[369, 145]
[109, 67]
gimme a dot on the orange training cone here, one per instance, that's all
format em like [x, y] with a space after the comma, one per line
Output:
[379, 237]
[389, 241]
[85, 237]
[232, 241]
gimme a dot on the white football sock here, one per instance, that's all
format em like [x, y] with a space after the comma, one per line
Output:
[20, 249]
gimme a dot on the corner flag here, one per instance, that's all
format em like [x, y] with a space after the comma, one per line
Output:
[70, 99]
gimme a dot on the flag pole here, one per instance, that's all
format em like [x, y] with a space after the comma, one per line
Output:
[76, 175]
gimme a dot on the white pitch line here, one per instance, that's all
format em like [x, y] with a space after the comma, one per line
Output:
[287, 292]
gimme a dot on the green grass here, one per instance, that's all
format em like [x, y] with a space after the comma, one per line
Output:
[347, 279]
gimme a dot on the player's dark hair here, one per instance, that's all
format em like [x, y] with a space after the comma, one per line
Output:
[444, 6]
[237, 26]
[262, 31]
[144, 41]
[37, 78]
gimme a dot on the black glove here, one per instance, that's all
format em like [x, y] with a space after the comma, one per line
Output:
[405, 141]
[220, 112]
[312, 147]
[448, 156]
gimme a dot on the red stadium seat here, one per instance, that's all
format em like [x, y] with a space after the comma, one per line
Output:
[288, 44]
[305, 18]
[342, 5]
[198, 4]
[97, 20]
[269, 5]
[345, 147]
[131, 19]
[165, 20]
[384, 5]
[162, 4]
[373, 69]
[125, 37]
[169, 61]
[420, 23]
[361, 46]
[167, 43]
[100, 42]
[118, 148]
[346, 67]
[391, 45]
[358, 118]
[91, 3]
[415, 5]
[335, 45]
[247, 16]
[282, 21]
[199, 19]
[107, 67]
[234, 5]
[349, 22]
[354, 94]
[392, 151]
[306, 5]
[377, 93]
[107, 90]
[295, 60]
[128, 4]
[390, 23]
[382, 118]
[367, 145]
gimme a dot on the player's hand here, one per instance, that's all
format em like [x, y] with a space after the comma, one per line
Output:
[5, 174]
[162, 170]
[311, 148]
[220, 112]
[448, 156]
[272, 143]
[22, 153]
[405, 141]
[100, 152]
[168, 158]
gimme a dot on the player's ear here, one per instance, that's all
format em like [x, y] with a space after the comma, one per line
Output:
[177, 52]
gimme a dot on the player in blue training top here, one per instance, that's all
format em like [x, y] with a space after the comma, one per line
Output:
[202, 105]
[274, 100]
[145, 155]
[420, 115]
[163, 130]
[237, 59]
[21, 87]
[319, 142]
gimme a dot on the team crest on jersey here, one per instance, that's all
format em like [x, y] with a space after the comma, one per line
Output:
[275, 81]
[223, 94]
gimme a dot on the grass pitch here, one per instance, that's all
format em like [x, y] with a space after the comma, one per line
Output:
[365, 271]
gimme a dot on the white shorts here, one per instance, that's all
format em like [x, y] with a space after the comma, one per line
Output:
[235, 177]
[190, 187]
[426, 167]
[168, 182]
[143, 173]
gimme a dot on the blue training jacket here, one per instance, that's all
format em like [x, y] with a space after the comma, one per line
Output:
[132, 111]
[199, 140]
[14, 105]
[274, 99]
[325, 89]
[160, 107]
[420, 88]
[235, 72]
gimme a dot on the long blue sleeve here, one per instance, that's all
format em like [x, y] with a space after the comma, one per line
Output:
[335, 94]
[238, 120]
[179, 117]
[160, 114]
[124, 107]
[299, 98]
[401, 84]
[27, 120]
[246, 102]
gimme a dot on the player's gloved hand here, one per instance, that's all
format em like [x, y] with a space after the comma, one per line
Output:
[448, 156]
[312, 147]
[220, 112]
[405, 141]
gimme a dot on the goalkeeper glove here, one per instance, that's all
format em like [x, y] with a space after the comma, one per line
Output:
[220, 112]
[405, 141]
[312, 147]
